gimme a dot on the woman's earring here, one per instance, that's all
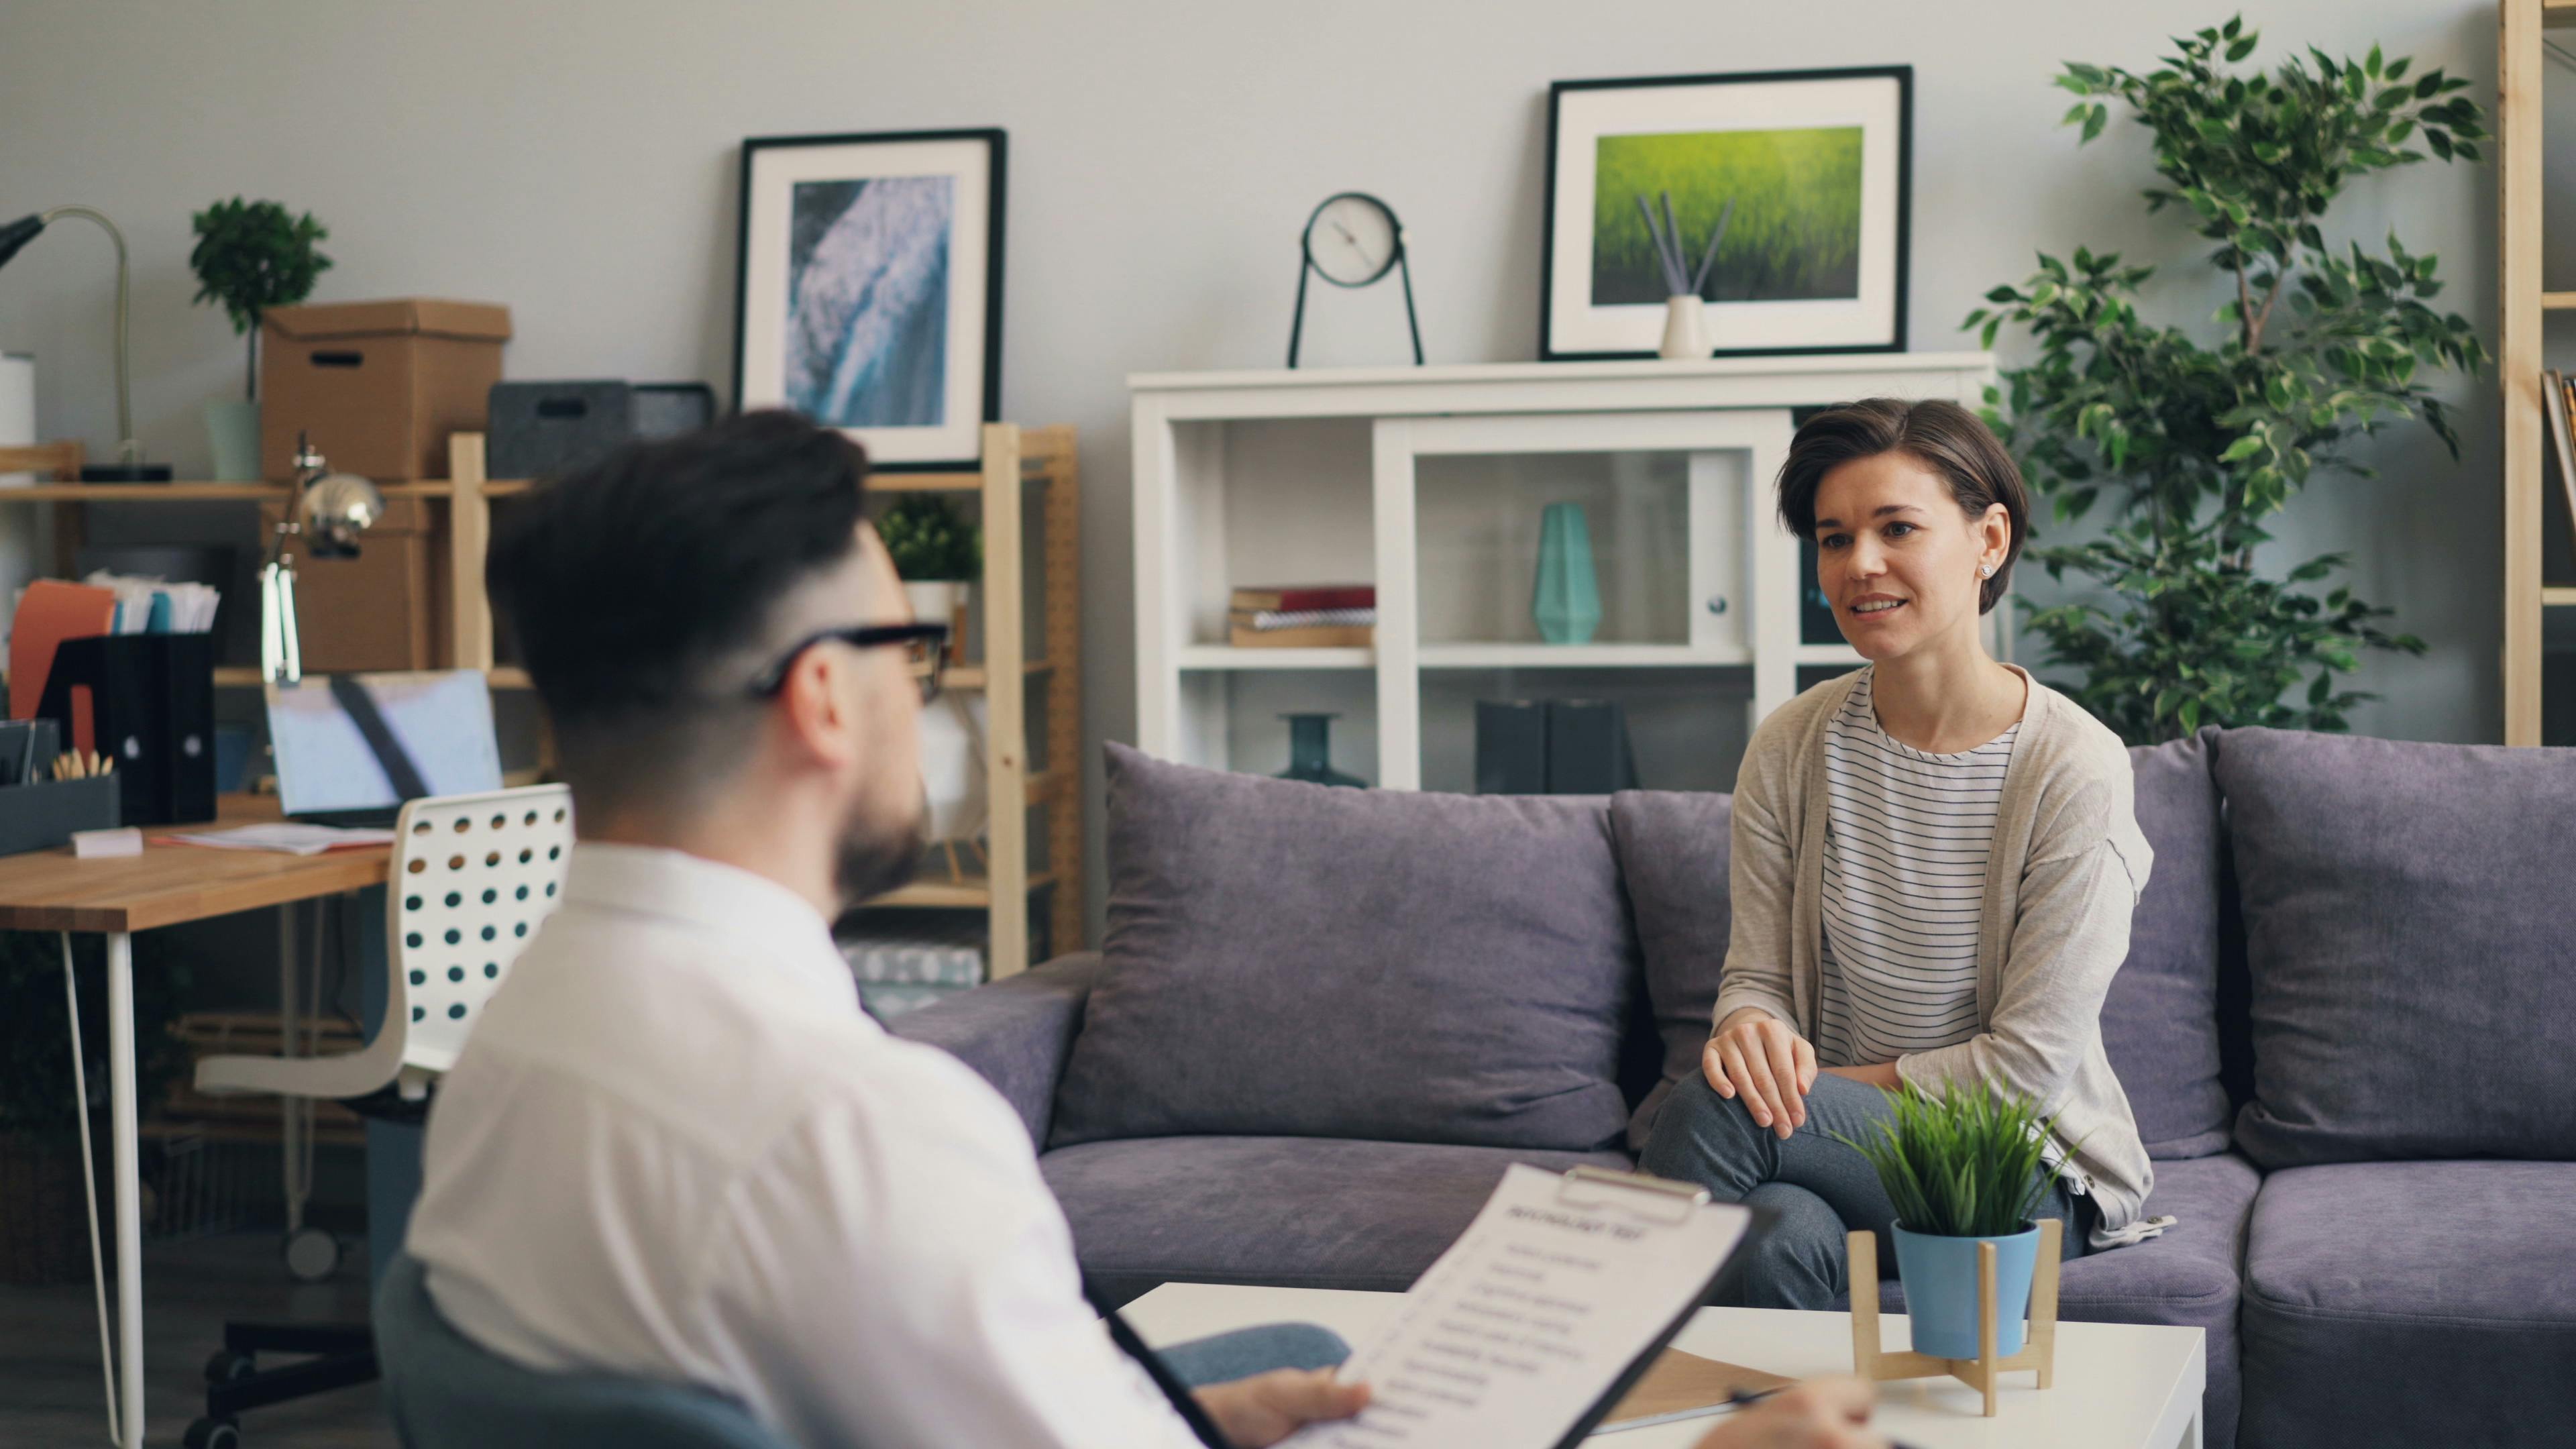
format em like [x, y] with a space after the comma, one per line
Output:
[1985, 571]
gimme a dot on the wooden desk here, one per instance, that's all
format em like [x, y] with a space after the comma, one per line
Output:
[50, 890]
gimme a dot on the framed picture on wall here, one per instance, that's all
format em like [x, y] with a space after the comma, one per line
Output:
[868, 290]
[1810, 172]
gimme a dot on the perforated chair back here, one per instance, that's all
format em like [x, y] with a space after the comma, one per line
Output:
[445, 1391]
[472, 877]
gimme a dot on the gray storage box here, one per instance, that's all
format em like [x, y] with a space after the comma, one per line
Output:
[547, 429]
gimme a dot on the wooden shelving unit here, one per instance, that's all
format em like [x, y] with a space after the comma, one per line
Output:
[2528, 596]
[1016, 460]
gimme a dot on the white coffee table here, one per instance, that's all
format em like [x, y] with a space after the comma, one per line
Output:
[2119, 1385]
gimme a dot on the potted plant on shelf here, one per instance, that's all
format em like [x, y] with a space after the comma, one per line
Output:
[938, 551]
[251, 256]
[43, 1227]
[1963, 1168]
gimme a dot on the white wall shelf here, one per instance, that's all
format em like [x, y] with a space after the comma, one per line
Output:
[1429, 483]
[1842, 654]
[1581, 656]
[1224, 656]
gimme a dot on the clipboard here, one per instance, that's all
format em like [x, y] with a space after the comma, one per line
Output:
[1524, 1313]
[1692, 1198]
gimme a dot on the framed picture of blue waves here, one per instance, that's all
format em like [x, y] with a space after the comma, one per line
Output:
[868, 294]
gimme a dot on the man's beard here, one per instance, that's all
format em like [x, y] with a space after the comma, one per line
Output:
[875, 856]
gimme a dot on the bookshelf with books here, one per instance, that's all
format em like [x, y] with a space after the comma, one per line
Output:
[2539, 574]
[1270, 508]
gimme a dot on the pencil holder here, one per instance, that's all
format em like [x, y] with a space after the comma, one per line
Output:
[44, 814]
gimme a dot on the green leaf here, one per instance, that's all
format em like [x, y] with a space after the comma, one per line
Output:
[2093, 124]
[2240, 50]
[2242, 449]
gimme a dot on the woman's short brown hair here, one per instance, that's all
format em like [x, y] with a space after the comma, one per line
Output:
[1943, 436]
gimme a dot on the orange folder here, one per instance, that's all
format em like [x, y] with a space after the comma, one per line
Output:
[52, 612]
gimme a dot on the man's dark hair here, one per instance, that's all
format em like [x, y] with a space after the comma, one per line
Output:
[1944, 437]
[644, 589]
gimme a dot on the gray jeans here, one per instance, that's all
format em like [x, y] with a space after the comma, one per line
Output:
[1819, 1188]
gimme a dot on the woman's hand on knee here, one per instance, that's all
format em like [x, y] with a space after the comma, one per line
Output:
[1755, 1056]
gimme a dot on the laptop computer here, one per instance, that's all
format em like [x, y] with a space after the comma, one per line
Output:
[351, 748]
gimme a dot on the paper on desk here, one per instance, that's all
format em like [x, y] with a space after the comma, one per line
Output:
[1532, 1316]
[283, 837]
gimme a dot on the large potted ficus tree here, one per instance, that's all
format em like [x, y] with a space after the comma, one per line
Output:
[251, 256]
[2321, 345]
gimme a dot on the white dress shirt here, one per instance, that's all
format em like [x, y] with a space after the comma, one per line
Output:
[675, 1147]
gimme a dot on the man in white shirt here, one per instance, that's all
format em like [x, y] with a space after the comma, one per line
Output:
[674, 1146]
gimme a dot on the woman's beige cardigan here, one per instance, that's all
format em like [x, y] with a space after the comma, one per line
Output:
[2066, 869]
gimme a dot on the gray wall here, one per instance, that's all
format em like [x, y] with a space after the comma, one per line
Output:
[577, 161]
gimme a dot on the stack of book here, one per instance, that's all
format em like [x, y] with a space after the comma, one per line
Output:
[1325, 616]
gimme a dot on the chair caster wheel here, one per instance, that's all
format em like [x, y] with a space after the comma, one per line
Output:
[212, 1434]
[226, 1366]
[312, 1255]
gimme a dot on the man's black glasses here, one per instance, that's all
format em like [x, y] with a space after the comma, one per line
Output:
[928, 661]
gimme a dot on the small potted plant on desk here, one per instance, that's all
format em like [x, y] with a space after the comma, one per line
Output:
[250, 256]
[938, 551]
[43, 1223]
[1964, 1168]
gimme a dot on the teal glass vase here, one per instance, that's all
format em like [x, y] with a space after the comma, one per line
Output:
[1566, 602]
[1310, 752]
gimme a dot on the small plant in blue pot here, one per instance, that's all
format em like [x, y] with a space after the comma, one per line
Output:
[1964, 1168]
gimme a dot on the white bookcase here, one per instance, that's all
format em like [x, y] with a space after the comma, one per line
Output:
[1430, 483]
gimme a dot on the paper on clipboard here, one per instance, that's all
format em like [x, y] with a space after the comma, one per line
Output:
[1537, 1319]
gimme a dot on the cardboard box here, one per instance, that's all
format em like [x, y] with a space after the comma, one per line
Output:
[385, 609]
[378, 385]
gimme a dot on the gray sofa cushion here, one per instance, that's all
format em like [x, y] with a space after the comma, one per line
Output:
[2160, 1018]
[1289, 960]
[1013, 1032]
[2187, 1277]
[2411, 1303]
[2407, 937]
[1301, 1212]
[1673, 854]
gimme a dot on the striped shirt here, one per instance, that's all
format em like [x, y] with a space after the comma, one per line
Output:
[1907, 834]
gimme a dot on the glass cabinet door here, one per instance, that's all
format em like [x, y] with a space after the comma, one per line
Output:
[1557, 564]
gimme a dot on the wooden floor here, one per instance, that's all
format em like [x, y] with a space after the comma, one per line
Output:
[51, 1392]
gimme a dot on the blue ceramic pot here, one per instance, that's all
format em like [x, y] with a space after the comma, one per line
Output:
[1941, 1290]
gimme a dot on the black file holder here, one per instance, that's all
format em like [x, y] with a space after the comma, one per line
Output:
[151, 704]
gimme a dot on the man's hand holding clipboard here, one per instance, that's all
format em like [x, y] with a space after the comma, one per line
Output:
[1549, 1308]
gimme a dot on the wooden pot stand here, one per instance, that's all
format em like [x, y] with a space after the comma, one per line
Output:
[1982, 1373]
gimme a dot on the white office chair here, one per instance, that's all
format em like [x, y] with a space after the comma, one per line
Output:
[472, 876]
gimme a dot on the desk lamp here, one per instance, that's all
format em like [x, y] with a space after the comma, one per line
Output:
[129, 466]
[330, 510]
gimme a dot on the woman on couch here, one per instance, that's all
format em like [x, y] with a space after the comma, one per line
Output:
[1934, 863]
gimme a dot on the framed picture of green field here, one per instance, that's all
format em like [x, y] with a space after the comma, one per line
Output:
[1780, 198]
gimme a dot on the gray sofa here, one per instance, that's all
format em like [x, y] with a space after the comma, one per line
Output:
[1323, 1021]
